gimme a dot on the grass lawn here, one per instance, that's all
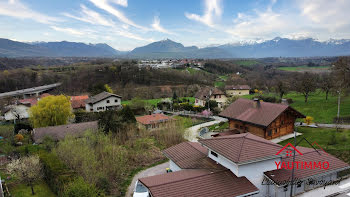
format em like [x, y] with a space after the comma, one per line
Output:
[223, 77]
[322, 110]
[323, 136]
[22, 190]
[219, 84]
[246, 62]
[155, 101]
[303, 68]
[188, 122]
[219, 126]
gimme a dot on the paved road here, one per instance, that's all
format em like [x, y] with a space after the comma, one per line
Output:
[156, 170]
[191, 133]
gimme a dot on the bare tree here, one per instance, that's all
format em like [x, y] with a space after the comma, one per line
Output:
[341, 70]
[281, 88]
[305, 84]
[326, 83]
[26, 169]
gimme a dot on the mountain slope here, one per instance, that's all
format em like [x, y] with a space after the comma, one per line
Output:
[9, 48]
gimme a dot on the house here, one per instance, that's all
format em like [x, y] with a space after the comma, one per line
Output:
[153, 121]
[15, 112]
[102, 102]
[78, 102]
[237, 90]
[264, 119]
[33, 101]
[215, 94]
[59, 132]
[236, 165]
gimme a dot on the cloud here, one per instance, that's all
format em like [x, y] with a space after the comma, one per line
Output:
[67, 30]
[105, 5]
[156, 26]
[212, 10]
[15, 8]
[89, 16]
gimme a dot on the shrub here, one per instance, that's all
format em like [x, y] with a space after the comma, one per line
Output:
[308, 120]
[19, 137]
[79, 188]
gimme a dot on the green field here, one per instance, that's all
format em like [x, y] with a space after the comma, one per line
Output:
[322, 110]
[155, 101]
[246, 62]
[219, 84]
[323, 136]
[41, 189]
[304, 68]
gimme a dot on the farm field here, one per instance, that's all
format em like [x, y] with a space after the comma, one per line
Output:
[322, 110]
[305, 68]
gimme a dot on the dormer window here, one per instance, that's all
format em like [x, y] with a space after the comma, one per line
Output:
[107, 101]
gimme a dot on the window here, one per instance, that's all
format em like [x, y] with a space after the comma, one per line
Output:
[196, 101]
[116, 100]
[219, 96]
[299, 184]
[282, 122]
[107, 101]
[214, 154]
[275, 130]
[269, 132]
[239, 93]
[285, 188]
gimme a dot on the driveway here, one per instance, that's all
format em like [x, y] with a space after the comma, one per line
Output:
[156, 170]
[191, 133]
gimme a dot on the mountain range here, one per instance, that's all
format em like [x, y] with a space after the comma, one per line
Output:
[277, 47]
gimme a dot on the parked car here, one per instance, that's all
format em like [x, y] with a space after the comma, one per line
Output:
[140, 190]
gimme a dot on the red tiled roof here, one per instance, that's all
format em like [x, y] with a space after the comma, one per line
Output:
[199, 183]
[241, 148]
[237, 87]
[34, 100]
[151, 119]
[244, 110]
[309, 155]
[78, 101]
[191, 155]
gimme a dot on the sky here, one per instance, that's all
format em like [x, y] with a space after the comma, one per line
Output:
[126, 24]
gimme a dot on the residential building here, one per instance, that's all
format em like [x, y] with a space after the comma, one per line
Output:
[237, 90]
[78, 102]
[264, 119]
[208, 93]
[16, 112]
[102, 102]
[237, 165]
[153, 121]
[59, 132]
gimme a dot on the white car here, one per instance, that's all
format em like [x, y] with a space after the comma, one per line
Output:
[140, 190]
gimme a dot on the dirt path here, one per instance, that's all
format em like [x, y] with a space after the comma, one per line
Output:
[192, 132]
[156, 170]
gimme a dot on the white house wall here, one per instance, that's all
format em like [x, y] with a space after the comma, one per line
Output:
[224, 162]
[21, 110]
[103, 103]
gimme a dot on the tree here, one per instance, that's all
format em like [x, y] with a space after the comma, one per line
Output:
[108, 89]
[78, 187]
[127, 115]
[308, 120]
[341, 70]
[305, 84]
[26, 169]
[281, 88]
[174, 97]
[326, 83]
[51, 111]
[110, 121]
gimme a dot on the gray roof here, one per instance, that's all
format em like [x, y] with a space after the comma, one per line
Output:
[100, 97]
[59, 132]
[29, 90]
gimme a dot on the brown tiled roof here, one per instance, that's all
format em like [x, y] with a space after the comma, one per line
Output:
[226, 133]
[203, 93]
[153, 118]
[99, 97]
[244, 110]
[309, 155]
[199, 183]
[191, 155]
[59, 132]
[241, 148]
[237, 87]
[34, 100]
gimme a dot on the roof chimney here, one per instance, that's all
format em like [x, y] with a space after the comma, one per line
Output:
[284, 102]
[256, 103]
